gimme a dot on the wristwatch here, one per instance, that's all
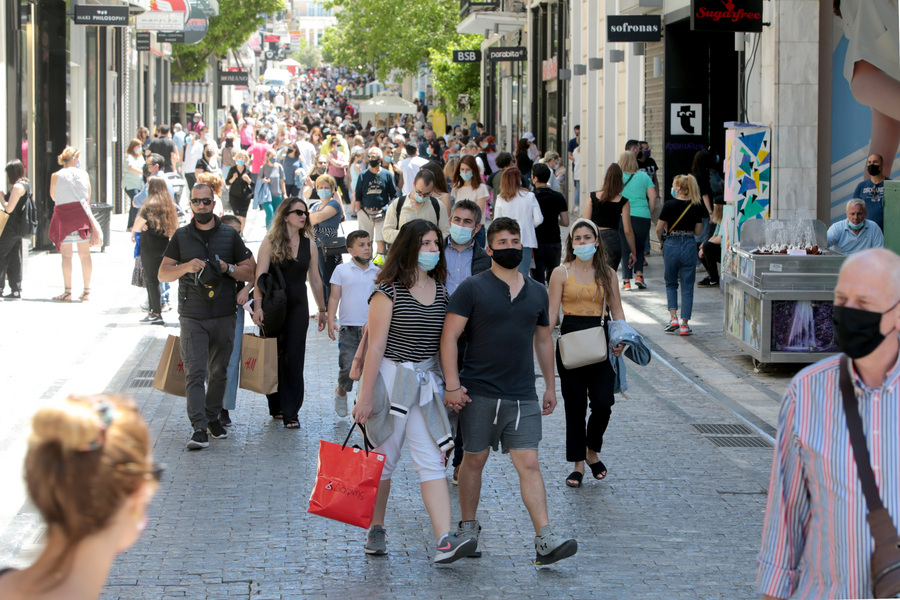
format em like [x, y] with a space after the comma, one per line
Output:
[231, 269]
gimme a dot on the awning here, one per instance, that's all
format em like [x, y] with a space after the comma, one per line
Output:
[190, 91]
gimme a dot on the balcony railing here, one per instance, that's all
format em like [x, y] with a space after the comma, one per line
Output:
[466, 7]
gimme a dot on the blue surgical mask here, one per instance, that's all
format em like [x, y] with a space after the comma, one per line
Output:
[584, 251]
[240, 163]
[418, 198]
[465, 176]
[428, 260]
[324, 194]
[855, 227]
[389, 159]
[459, 234]
[674, 193]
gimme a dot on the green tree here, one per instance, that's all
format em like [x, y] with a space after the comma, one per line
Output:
[452, 79]
[237, 19]
[306, 55]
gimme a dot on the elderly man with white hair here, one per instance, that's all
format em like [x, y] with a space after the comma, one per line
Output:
[856, 232]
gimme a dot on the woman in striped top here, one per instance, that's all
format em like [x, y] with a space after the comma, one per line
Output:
[402, 389]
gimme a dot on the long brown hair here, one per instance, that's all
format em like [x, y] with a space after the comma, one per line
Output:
[440, 182]
[510, 183]
[278, 232]
[613, 184]
[403, 257]
[475, 181]
[159, 209]
[602, 272]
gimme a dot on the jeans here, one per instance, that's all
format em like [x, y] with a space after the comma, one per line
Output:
[680, 260]
[206, 346]
[229, 400]
[546, 258]
[641, 228]
[349, 337]
[525, 265]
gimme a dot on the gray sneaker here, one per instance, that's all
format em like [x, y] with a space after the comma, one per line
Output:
[376, 542]
[470, 529]
[452, 547]
[551, 547]
[340, 405]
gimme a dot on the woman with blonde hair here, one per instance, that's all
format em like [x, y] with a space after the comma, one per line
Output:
[642, 196]
[290, 248]
[90, 473]
[228, 127]
[516, 202]
[679, 221]
[215, 183]
[72, 222]
[326, 216]
[156, 222]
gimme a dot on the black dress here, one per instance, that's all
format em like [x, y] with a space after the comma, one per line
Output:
[292, 339]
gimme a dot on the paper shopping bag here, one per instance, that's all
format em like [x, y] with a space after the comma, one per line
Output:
[259, 364]
[170, 372]
[346, 484]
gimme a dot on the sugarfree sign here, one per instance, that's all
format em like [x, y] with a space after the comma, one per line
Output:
[634, 28]
[726, 15]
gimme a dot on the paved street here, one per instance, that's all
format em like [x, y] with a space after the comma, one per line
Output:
[678, 517]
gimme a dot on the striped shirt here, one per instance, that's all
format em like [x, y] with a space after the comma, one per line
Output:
[816, 541]
[415, 332]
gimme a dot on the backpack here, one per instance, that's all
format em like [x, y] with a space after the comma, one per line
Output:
[434, 205]
[29, 222]
[717, 185]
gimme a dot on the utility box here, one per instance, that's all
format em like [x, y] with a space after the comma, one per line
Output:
[892, 215]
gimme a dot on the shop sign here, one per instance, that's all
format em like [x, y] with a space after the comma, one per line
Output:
[154, 20]
[466, 56]
[633, 28]
[142, 41]
[549, 69]
[507, 53]
[234, 78]
[170, 37]
[685, 119]
[727, 15]
[113, 16]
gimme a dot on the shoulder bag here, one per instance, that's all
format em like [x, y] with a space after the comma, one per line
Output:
[274, 304]
[586, 347]
[678, 220]
[885, 561]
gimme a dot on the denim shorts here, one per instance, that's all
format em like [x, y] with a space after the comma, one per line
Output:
[486, 422]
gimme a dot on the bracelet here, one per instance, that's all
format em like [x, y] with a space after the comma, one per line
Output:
[455, 390]
[322, 311]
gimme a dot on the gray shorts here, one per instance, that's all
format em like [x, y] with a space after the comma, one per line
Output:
[349, 338]
[485, 422]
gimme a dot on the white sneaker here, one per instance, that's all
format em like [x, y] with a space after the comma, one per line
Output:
[340, 405]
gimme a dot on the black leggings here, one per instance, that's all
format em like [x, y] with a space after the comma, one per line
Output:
[591, 385]
[152, 248]
[712, 256]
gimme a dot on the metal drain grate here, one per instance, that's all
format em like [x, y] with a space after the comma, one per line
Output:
[145, 373]
[723, 441]
[141, 383]
[721, 429]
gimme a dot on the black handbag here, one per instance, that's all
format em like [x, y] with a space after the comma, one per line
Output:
[885, 562]
[334, 246]
[274, 304]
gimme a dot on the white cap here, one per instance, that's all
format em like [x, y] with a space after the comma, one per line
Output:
[528, 136]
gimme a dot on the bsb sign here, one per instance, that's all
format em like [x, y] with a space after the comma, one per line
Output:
[466, 56]
[727, 15]
[634, 28]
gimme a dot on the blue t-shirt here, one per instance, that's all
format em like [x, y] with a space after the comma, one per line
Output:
[873, 195]
[291, 164]
[375, 190]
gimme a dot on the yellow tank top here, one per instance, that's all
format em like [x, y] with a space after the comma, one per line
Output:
[581, 300]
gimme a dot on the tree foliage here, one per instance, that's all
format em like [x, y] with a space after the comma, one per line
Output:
[236, 21]
[307, 55]
[452, 79]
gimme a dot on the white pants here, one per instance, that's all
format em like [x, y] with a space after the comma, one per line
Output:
[372, 227]
[427, 458]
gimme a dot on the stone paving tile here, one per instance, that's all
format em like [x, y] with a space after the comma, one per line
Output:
[676, 518]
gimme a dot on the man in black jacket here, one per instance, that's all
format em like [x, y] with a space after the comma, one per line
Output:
[208, 260]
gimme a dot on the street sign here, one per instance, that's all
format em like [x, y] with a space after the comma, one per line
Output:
[507, 53]
[234, 78]
[466, 56]
[112, 16]
[155, 20]
[633, 28]
[733, 15]
[170, 37]
[142, 41]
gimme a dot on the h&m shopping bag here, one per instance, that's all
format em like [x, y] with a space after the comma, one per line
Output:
[259, 364]
[170, 372]
[346, 483]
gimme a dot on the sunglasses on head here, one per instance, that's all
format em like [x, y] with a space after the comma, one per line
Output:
[299, 212]
[205, 201]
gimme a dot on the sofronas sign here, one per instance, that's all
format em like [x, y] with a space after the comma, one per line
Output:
[726, 15]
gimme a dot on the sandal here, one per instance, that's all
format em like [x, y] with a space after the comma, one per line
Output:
[85, 295]
[598, 470]
[574, 476]
[294, 424]
[278, 417]
[66, 296]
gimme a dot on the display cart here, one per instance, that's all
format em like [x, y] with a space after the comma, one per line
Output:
[778, 306]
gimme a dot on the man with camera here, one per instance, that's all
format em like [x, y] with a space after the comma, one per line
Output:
[208, 260]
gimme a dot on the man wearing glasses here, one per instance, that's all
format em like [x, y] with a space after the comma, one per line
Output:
[208, 260]
[374, 191]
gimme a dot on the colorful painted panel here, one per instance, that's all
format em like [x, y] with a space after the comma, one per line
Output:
[749, 171]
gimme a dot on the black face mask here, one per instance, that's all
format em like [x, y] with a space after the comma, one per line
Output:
[374, 162]
[873, 169]
[203, 218]
[508, 258]
[858, 332]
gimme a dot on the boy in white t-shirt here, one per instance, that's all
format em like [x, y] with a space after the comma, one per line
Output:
[351, 285]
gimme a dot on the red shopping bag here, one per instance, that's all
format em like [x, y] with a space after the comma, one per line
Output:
[346, 483]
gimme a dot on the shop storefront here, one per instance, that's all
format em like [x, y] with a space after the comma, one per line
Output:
[549, 31]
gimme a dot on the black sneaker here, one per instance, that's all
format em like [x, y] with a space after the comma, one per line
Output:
[13, 296]
[225, 418]
[550, 547]
[152, 319]
[216, 430]
[198, 440]
[706, 283]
